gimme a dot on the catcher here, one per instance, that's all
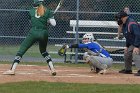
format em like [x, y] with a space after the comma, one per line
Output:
[95, 55]
[39, 16]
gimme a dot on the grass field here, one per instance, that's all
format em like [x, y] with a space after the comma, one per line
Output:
[32, 52]
[49, 87]
[115, 66]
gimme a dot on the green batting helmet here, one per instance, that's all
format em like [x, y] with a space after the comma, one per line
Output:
[37, 2]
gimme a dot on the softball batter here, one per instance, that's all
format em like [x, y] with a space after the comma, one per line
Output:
[40, 16]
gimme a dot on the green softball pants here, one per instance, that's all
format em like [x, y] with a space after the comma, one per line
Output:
[34, 35]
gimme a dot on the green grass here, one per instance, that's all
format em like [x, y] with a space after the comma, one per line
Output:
[33, 51]
[114, 66]
[48, 87]
[44, 64]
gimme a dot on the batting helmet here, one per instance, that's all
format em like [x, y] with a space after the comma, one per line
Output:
[38, 2]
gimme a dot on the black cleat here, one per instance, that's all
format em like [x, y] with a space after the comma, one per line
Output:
[53, 73]
[126, 71]
[97, 70]
[137, 74]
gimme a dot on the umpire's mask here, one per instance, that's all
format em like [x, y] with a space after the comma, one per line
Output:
[119, 16]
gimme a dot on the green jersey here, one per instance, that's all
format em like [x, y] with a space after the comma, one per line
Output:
[40, 21]
[38, 32]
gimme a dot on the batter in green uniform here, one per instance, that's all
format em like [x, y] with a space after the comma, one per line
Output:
[40, 16]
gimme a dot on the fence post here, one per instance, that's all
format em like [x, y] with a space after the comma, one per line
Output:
[77, 28]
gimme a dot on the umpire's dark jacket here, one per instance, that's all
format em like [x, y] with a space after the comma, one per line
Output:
[131, 31]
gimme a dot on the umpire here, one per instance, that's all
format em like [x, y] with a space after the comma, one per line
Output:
[131, 31]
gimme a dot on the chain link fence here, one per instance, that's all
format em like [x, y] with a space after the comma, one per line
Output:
[14, 25]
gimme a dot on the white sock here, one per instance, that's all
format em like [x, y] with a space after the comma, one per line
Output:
[51, 65]
[14, 66]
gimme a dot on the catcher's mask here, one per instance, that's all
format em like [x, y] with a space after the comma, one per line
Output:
[88, 36]
[119, 16]
[38, 2]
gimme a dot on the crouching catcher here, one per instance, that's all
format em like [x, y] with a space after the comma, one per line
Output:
[95, 55]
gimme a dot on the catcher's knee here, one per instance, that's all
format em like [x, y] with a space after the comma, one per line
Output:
[86, 57]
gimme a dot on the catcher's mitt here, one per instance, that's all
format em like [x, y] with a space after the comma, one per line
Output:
[62, 50]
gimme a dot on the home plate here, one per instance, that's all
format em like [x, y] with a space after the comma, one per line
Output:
[25, 73]
[79, 75]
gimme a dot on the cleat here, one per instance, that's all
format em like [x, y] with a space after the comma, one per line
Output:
[102, 71]
[92, 69]
[97, 70]
[124, 71]
[53, 72]
[9, 72]
[104, 66]
[137, 74]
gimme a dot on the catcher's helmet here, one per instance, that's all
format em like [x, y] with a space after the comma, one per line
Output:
[89, 36]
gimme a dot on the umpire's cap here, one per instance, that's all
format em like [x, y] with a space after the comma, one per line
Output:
[121, 14]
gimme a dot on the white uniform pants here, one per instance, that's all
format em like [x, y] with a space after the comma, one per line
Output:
[97, 61]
